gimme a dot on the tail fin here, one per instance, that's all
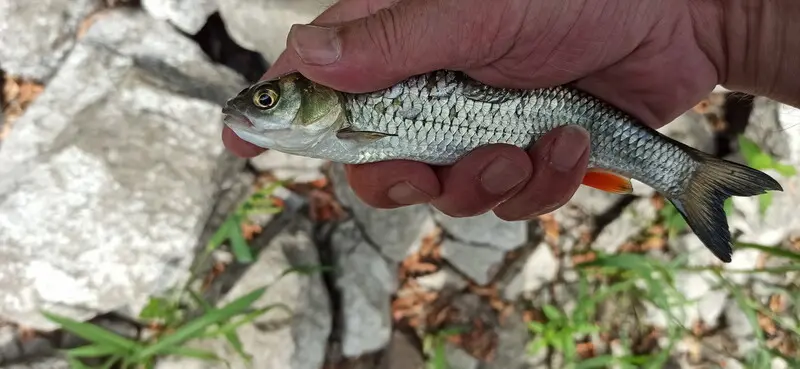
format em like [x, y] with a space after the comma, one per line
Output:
[714, 181]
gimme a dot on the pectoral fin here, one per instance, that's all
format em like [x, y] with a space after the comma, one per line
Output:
[360, 136]
[607, 181]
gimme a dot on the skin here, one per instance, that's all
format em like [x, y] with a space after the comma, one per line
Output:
[653, 59]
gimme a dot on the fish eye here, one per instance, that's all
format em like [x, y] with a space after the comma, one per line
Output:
[266, 98]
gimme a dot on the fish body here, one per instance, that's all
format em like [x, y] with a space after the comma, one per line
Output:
[439, 117]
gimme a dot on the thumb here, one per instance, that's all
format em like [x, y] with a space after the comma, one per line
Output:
[408, 38]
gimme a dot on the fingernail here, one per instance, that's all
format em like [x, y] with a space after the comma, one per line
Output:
[405, 193]
[568, 148]
[501, 175]
[314, 44]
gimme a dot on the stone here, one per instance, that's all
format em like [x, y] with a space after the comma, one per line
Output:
[187, 15]
[486, 229]
[395, 232]
[512, 339]
[539, 270]
[41, 363]
[691, 245]
[277, 339]
[262, 26]
[9, 346]
[365, 282]
[592, 201]
[740, 329]
[38, 35]
[633, 220]
[693, 129]
[109, 176]
[444, 278]
[479, 263]
[289, 167]
[402, 354]
[458, 358]
[772, 128]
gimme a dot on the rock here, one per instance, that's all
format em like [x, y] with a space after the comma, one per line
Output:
[365, 282]
[42, 363]
[395, 232]
[592, 201]
[458, 358]
[773, 129]
[187, 15]
[540, 269]
[693, 129]
[485, 230]
[698, 254]
[277, 339]
[479, 263]
[108, 178]
[285, 166]
[38, 35]
[740, 329]
[262, 26]
[9, 346]
[444, 278]
[512, 339]
[402, 354]
[633, 220]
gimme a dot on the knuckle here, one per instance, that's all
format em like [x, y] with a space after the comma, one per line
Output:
[384, 31]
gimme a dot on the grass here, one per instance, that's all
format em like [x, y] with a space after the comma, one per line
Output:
[172, 318]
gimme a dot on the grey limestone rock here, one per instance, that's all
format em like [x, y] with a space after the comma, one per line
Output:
[188, 15]
[262, 25]
[109, 177]
[395, 232]
[36, 36]
[365, 281]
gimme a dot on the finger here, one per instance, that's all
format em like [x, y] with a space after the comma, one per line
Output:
[482, 179]
[407, 38]
[559, 163]
[239, 147]
[342, 11]
[391, 184]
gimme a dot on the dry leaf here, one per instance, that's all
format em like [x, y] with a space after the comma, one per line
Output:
[250, 230]
[552, 230]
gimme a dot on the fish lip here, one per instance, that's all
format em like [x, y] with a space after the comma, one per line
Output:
[234, 117]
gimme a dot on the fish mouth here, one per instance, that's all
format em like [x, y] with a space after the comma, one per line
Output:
[235, 119]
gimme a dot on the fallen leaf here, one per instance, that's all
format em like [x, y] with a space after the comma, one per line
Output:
[250, 230]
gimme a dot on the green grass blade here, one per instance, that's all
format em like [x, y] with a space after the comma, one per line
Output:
[771, 250]
[93, 350]
[239, 247]
[196, 327]
[92, 333]
[192, 353]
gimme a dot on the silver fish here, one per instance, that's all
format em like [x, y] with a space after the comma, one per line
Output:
[439, 117]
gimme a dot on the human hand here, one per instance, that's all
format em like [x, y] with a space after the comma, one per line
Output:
[643, 57]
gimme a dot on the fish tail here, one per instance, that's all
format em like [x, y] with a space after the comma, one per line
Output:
[702, 201]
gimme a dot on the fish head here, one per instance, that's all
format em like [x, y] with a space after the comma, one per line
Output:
[289, 113]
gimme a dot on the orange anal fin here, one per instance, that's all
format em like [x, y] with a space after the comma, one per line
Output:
[606, 181]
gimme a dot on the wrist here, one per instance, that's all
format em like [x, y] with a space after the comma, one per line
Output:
[755, 49]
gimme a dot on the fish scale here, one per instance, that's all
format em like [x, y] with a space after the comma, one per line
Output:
[523, 117]
[439, 117]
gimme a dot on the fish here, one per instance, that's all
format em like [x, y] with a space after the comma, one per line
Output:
[440, 116]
